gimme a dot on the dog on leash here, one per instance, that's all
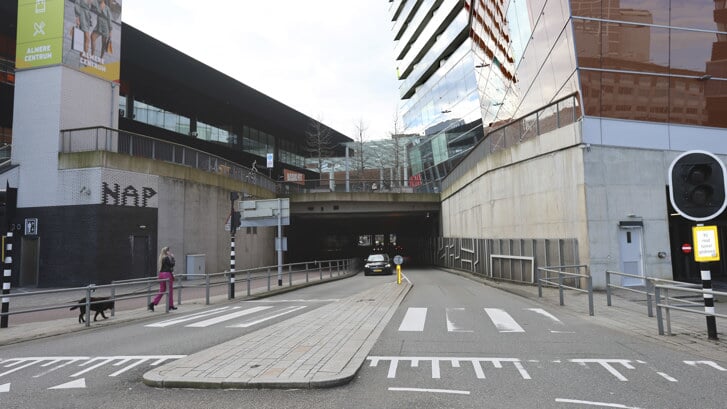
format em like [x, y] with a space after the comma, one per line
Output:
[98, 304]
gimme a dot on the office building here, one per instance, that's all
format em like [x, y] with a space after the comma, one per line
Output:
[582, 105]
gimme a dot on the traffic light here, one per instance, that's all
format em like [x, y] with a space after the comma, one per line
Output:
[235, 222]
[697, 185]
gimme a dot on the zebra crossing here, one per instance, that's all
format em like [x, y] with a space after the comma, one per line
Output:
[463, 320]
[229, 317]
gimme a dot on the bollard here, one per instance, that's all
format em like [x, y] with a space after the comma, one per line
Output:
[88, 305]
[540, 286]
[608, 288]
[657, 298]
[560, 287]
[207, 289]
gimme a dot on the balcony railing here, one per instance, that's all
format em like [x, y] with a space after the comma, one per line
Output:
[117, 141]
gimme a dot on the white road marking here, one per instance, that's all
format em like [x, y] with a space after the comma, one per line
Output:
[5, 388]
[455, 361]
[77, 384]
[227, 317]
[454, 315]
[503, 321]
[414, 320]
[70, 361]
[606, 363]
[694, 364]
[285, 311]
[545, 314]
[174, 321]
[452, 391]
[667, 377]
[296, 300]
[589, 403]
[30, 362]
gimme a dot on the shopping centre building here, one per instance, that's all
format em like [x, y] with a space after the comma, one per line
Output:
[122, 145]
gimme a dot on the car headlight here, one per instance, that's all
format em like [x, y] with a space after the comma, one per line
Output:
[387, 265]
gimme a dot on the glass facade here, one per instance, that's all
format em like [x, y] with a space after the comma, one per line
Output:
[659, 61]
[253, 141]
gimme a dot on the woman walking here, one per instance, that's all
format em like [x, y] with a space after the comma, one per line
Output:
[166, 272]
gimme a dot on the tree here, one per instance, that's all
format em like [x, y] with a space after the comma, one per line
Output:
[359, 138]
[319, 142]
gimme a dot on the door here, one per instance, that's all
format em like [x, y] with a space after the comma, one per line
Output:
[631, 255]
[29, 261]
[140, 257]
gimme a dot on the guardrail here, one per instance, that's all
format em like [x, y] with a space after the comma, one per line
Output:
[302, 270]
[658, 288]
[117, 141]
[561, 275]
[649, 283]
[88, 290]
[146, 287]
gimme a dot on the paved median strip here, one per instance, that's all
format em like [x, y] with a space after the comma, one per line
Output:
[324, 347]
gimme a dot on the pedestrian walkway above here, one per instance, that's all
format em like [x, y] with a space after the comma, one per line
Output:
[324, 347]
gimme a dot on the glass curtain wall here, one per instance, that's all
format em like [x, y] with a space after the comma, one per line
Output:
[659, 61]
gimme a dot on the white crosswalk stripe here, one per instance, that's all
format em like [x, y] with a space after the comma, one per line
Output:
[225, 315]
[463, 320]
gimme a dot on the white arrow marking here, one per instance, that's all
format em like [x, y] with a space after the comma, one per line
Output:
[5, 388]
[77, 384]
[708, 363]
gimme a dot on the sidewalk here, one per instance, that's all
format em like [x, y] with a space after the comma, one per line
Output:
[325, 347]
[627, 313]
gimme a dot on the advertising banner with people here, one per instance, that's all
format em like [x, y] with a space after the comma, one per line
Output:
[82, 34]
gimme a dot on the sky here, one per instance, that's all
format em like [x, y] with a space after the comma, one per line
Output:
[329, 59]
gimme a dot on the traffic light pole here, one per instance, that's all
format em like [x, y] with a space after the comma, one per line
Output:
[708, 301]
[233, 227]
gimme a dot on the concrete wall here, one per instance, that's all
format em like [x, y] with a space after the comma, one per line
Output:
[533, 190]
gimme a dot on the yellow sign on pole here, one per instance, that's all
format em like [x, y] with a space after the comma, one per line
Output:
[706, 244]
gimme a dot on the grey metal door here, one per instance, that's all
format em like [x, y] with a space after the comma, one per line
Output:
[29, 260]
[631, 255]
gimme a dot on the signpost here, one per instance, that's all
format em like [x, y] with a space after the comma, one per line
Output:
[268, 213]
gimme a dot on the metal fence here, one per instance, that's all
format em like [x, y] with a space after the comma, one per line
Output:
[257, 281]
[117, 141]
[557, 276]
[648, 288]
[90, 291]
[661, 295]
[502, 259]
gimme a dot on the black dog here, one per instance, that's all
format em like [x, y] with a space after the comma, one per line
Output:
[98, 304]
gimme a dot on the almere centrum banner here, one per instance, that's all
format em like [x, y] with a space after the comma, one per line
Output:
[81, 34]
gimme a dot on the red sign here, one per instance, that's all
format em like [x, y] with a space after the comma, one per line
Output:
[686, 248]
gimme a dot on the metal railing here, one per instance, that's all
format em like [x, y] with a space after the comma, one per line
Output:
[560, 283]
[340, 185]
[555, 115]
[661, 291]
[649, 283]
[295, 274]
[117, 141]
[90, 292]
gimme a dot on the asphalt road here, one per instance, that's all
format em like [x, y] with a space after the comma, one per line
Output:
[453, 343]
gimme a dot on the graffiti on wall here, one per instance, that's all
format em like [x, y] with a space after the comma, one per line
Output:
[113, 194]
